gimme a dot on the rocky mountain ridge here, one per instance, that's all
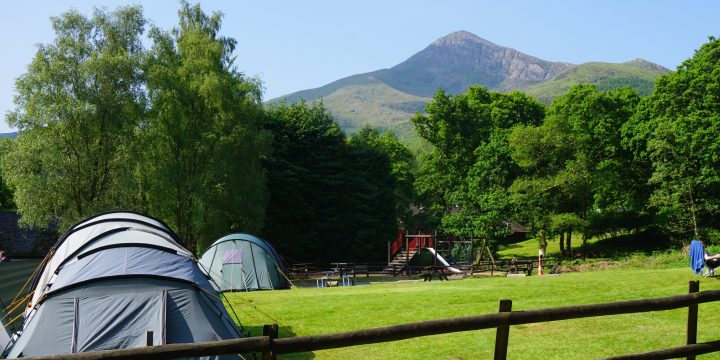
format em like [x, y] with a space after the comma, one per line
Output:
[386, 97]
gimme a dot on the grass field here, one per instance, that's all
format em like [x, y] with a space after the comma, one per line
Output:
[309, 311]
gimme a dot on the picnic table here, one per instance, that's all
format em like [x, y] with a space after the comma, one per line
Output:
[345, 275]
[434, 271]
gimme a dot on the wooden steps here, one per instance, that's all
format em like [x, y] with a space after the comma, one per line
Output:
[400, 260]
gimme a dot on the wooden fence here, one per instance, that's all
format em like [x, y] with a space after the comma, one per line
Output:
[300, 271]
[269, 345]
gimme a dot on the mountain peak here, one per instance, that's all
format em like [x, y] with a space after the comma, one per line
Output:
[389, 97]
[461, 59]
[459, 37]
[642, 63]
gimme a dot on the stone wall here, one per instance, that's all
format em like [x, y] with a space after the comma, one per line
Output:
[19, 241]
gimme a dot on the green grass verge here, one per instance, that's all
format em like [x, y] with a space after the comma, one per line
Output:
[529, 248]
[606, 76]
[310, 311]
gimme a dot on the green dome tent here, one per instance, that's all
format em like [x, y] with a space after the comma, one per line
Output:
[242, 262]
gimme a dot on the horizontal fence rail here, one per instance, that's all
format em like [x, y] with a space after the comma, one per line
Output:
[418, 329]
[673, 353]
[301, 271]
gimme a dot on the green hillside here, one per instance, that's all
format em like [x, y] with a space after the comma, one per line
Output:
[638, 74]
[388, 98]
[405, 132]
[374, 103]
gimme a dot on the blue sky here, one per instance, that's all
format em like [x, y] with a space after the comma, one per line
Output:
[296, 45]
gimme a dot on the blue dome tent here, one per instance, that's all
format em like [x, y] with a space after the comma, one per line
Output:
[109, 281]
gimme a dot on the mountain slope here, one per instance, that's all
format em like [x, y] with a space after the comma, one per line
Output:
[638, 74]
[374, 103]
[11, 135]
[452, 63]
[388, 97]
[461, 59]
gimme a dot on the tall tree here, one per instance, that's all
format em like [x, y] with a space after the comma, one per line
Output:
[466, 176]
[305, 179]
[576, 164]
[402, 164]
[201, 170]
[331, 199]
[7, 200]
[77, 107]
[676, 130]
[372, 191]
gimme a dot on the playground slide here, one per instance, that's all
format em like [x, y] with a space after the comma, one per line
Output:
[443, 261]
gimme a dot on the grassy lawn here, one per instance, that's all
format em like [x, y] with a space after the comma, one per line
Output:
[529, 248]
[308, 311]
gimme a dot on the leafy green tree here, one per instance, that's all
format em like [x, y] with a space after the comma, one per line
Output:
[201, 169]
[676, 131]
[77, 108]
[402, 164]
[6, 193]
[330, 199]
[576, 163]
[305, 179]
[455, 126]
[466, 176]
[373, 205]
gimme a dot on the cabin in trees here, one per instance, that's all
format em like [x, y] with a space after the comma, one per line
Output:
[519, 232]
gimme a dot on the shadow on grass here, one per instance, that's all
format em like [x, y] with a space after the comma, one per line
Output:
[504, 247]
[608, 246]
[283, 332]
[646, 242]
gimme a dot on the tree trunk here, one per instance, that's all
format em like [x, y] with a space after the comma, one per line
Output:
[584, 244]
[562, 244]
[543, 242]
[569, 243]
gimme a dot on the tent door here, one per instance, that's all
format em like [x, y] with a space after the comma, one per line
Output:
[119, 321]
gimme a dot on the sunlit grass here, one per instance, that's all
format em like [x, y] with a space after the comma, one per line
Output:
[309, 311]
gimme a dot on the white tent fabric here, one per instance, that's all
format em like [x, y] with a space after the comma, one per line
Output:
[94, 232]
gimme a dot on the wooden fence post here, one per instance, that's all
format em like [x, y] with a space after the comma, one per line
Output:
[271, 331]
[407, 250]
[692, 317]
[503, 332]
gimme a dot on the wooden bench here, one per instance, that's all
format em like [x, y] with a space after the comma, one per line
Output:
[524, 266]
